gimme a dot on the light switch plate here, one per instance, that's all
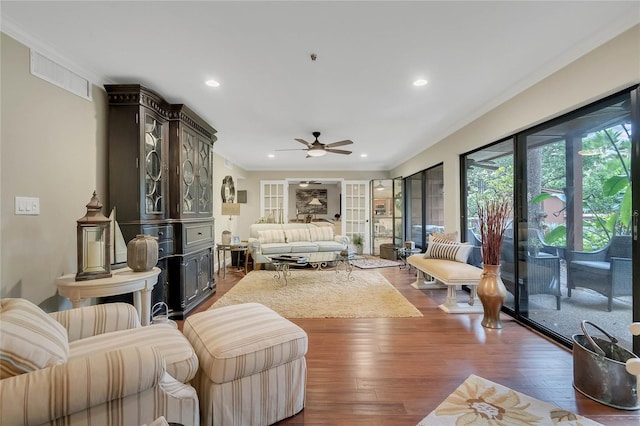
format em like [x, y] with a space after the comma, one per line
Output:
[28, 206]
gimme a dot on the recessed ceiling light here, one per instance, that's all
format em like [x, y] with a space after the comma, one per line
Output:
[212, 83]
[271, 156]
[420, 82]
[363, 155]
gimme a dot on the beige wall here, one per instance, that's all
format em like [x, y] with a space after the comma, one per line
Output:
[220, 170]
[610, 68]
[53, 147]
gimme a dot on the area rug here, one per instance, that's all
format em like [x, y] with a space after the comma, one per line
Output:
[322, 294]
[374, 262]
[478, 401]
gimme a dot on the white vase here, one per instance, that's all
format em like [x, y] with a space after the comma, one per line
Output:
[142, 253]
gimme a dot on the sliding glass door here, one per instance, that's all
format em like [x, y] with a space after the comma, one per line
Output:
[488, 174]
[571, 251]
[578, 221]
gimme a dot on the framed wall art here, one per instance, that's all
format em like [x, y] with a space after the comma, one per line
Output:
[311, 201]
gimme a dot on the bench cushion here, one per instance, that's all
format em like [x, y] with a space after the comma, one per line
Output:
[447, 271]
[240, 340]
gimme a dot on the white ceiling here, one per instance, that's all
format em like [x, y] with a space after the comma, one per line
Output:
[475, 55]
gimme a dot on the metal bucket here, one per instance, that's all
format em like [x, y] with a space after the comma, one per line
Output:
[599, 370]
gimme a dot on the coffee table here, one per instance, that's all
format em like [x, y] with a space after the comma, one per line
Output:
[318, 260]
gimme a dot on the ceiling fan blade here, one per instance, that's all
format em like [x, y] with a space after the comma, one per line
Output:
[338, 151]
[302, 141]
[339, 143]
[292, 149]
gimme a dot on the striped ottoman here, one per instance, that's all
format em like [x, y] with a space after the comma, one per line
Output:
[252, 369]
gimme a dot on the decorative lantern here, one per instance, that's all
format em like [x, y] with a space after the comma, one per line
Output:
[94, 243]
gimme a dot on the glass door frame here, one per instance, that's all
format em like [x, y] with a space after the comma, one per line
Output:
[635, 208]
[361, 204]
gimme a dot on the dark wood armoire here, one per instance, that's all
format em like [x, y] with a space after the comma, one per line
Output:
[161, 184]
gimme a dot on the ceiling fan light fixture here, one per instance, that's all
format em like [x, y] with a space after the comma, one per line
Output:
[379, 186]
[316, 152]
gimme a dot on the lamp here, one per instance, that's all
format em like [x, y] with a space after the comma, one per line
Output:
[94, 243]
[314, 202]
[231, 209]
[379, 186]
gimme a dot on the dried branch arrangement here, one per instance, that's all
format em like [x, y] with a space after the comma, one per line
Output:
[495, 217]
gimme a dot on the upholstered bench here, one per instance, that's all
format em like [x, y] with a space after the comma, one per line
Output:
[452, 274]
[252, 366]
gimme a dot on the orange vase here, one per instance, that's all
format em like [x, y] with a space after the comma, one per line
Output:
[492, 292]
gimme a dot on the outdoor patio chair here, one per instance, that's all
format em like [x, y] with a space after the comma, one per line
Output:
[539, 271]
[607, 271]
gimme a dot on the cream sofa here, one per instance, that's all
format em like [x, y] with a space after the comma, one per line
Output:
[93, 365]
[292, 238]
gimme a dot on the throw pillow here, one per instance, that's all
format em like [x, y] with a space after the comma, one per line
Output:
[30, 338]
[298, 234]
[437, 239]
[449, 236]
[321, 233]
[268, 236]
[447, 250]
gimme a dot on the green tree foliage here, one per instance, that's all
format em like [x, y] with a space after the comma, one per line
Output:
[606, 185]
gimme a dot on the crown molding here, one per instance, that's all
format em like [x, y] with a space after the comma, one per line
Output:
[14, 31]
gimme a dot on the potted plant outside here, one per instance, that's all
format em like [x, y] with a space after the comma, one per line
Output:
[357, 242]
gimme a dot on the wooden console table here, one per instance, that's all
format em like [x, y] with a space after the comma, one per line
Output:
[122, 281]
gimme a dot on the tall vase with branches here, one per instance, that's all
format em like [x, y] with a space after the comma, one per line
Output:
[494, 217]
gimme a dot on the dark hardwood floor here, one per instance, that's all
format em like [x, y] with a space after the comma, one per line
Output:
[390, 371]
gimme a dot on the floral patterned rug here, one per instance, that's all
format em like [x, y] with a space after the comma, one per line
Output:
[478, 401]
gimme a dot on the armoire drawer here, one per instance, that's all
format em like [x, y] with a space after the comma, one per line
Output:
[165, 248]
[161, 232]
[197, 234]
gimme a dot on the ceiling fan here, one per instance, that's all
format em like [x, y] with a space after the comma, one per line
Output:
[305, 183]
[318, 149]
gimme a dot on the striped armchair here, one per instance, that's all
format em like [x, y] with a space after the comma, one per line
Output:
[94, 365]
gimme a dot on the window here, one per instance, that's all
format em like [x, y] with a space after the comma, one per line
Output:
[425, 205]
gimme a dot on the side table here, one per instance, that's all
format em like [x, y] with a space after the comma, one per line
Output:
[403, 253]
[238, 248]
[122, 281]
